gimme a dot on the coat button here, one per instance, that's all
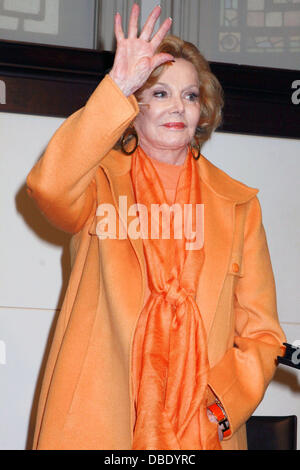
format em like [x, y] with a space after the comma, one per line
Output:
[235, 268]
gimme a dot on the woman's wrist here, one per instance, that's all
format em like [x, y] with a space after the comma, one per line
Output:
[213, 419]
[219, 413]
[124, 87]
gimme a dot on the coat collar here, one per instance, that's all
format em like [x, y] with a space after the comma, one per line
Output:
[118, 164]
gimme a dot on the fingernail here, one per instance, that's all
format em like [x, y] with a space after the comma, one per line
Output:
[170, 18]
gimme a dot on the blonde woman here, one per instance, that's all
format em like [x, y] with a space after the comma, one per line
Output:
[163, 342]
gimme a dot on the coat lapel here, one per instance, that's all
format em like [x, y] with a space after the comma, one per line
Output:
[218, 236]
[220, 194]
[117, 168]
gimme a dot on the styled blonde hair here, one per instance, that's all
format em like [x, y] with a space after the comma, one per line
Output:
[211, 93]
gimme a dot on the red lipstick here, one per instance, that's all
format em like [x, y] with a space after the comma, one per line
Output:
[175, 125]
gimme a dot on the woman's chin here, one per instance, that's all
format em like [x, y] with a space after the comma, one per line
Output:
[175, 144]
[172, 141]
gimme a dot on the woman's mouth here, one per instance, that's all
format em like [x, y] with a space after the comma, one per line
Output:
[174, 125]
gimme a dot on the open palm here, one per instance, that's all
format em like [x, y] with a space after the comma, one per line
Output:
[135, 57]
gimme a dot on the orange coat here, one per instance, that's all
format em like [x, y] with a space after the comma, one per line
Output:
[86, 397]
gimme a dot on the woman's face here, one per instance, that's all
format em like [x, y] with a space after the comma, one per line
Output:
[170, 120]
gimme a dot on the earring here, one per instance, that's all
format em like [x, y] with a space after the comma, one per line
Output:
[127, 137]
[196, 147]
[197, 156]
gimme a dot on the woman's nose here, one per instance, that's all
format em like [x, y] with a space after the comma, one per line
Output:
[177, 105]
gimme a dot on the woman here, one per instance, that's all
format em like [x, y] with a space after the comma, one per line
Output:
[159, 338]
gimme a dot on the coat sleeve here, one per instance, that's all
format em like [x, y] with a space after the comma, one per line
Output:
[62, 182]
[241, 377]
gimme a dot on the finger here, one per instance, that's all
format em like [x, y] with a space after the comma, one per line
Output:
[118, 27]
[160, 59]
[161, 33]
[150, 23]
[133, 21]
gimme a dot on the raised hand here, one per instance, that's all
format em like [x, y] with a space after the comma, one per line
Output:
[135, 57]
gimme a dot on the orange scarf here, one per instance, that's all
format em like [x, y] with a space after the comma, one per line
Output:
[173, 363]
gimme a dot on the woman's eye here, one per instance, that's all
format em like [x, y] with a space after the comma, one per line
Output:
[193, 97]
[159, 94]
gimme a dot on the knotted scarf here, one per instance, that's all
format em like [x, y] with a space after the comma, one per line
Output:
[173, 363]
